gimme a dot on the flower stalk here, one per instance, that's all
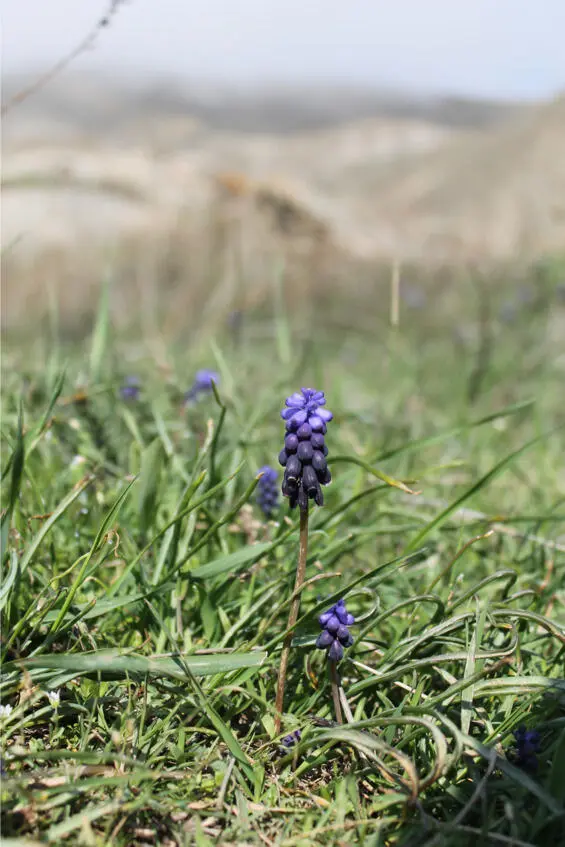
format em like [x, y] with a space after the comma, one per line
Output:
[334, 677]
[304, 459]
[293, 616]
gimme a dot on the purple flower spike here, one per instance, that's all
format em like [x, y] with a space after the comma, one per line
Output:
[527, 747]
[267, 491]
[290, 740]
[305, 422]
[335, 634]
[205, 378]
[131, 388]
[203, 382]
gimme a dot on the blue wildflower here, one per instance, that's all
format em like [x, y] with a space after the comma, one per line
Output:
[203, 382]
[290, 740]
[335, 634]
[130, 388]
[304, 454]
[527, 746]
[267, 491]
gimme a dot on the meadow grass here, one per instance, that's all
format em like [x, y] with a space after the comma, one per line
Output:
[144, 597]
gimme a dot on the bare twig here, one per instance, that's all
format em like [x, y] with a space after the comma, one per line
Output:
[82, 47]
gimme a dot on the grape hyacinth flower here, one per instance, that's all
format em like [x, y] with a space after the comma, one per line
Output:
[527, 746]
[304, 454]
[130, 388]
[267, 491]
[290, 740]
[306, 469]
[335, 634]
[203, 382]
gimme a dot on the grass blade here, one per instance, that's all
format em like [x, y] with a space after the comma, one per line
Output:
[119, 664]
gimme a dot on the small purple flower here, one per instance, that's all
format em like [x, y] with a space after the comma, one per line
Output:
[203, 382]
[267, 491]
[304, 454]
[290, 740]
[130, 388]
[527, 746]
[335, 634]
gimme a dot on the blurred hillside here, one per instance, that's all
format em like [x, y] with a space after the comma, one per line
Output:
[105, 105]
[180, 190]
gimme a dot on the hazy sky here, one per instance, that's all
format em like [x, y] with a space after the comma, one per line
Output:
[486, 47]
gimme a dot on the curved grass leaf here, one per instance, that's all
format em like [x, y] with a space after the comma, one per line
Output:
[354, 460]
[118, 664]
[17, 461]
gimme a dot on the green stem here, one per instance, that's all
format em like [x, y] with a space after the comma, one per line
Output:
[292, 617]
[335, 691]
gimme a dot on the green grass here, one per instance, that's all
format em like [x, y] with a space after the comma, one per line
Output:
[141, 582]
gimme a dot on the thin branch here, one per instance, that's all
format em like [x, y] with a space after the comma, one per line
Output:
[86, 44]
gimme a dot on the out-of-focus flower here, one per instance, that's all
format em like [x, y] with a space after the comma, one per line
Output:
[5, 711]
[203, 382]
[291, 739]
[413, 296]
[304, 454]
[527, 747]
[130, 389]
[335, 634]
[267, 491]
[54, 698]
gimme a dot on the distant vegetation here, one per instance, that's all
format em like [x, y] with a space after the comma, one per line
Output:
[94, 103]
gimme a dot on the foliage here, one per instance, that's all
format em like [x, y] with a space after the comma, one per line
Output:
[142, 583]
